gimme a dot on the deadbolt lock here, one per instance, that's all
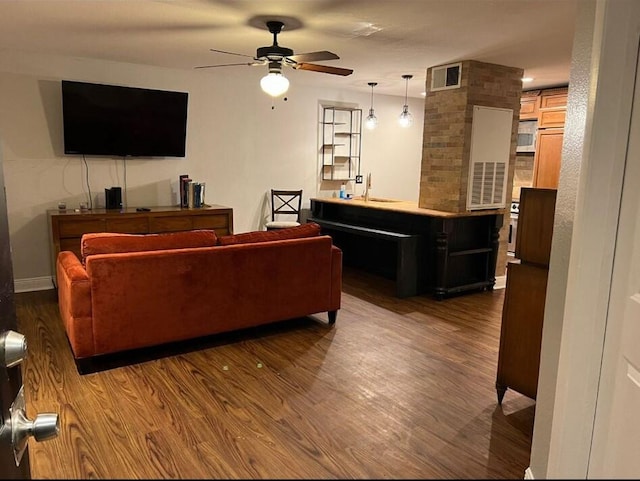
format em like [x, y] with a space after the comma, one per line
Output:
[13, 348]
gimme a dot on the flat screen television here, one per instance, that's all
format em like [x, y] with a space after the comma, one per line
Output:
[112, 120]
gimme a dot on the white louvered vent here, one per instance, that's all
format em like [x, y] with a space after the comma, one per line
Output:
[446, 77]
[490, 149]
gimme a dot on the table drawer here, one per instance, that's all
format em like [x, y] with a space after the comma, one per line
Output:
[77, 227]
[71, 244]
[131, 225]
[210, 221]
[169, 224]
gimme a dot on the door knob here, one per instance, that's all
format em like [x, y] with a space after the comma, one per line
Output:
[18, 427]
[13, 348]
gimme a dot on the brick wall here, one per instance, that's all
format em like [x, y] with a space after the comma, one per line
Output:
[447, 131]
[448, 116]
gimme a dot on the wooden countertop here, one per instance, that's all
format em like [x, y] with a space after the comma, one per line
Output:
[404, 206]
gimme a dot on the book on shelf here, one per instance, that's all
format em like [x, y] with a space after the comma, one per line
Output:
[191, 193]
[184, 179]
[197, 192]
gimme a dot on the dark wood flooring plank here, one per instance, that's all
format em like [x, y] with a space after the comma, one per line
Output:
[398, 388]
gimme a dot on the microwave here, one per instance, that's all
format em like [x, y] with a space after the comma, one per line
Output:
[527, 136]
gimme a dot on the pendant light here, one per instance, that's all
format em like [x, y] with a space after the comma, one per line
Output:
[371, 121]
[274, 83]
[406, 119]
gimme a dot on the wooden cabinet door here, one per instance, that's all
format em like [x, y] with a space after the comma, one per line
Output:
[529, 107]
[546, 168]
[553, 100]
[535, 225]
[552, 118]
[521, 332]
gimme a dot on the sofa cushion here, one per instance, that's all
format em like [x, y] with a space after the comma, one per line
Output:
[309, 229]
[111, 243]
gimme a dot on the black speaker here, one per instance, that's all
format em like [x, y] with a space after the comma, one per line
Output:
[113, 198]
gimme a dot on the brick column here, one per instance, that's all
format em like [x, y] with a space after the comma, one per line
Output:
[447, 131]
[448, 115]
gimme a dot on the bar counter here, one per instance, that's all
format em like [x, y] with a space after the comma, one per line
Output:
[405, 206]
[423, 250]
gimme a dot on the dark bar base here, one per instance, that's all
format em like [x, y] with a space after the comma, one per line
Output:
[443, 255]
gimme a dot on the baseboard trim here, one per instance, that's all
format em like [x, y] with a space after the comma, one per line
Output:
[501, 282]
[33, 284]
[528, 474]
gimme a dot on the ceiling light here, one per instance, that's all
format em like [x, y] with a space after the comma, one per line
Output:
[406, 119]
[527, 79]
[274, 83]
[372, 121]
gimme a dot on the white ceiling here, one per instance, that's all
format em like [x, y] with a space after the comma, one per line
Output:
[379, 39]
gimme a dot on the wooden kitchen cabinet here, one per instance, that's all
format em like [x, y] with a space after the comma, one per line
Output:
[546, 161]
[554, 98]
[525, 295]
[552, 118]
[529, 107]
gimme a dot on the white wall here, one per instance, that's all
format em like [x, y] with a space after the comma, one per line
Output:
[236, 143]
[596, 133]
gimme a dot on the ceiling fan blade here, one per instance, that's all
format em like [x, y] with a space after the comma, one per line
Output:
[314, 56]
[323, 68]
[230, 53]
[250, 64]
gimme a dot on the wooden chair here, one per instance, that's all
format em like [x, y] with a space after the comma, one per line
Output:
[287, 204]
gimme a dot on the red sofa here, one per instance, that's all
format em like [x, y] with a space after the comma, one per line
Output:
[134, 291]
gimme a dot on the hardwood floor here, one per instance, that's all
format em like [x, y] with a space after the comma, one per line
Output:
[398, 388]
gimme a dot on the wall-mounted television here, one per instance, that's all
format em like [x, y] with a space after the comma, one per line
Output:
[113, 120]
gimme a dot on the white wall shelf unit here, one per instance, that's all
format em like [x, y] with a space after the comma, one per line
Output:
[341, 143]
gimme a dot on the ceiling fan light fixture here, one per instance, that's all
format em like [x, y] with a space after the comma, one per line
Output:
[406, 119]
[371, 122]
[274, 83]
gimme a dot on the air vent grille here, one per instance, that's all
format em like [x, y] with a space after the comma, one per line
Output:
[446, 77]
[487, 189]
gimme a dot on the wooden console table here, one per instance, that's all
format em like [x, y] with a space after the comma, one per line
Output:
[424, 250]
[68, 226]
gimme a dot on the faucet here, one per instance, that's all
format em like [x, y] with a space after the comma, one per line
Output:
[367, 187]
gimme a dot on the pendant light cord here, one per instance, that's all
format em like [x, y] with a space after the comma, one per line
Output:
[372, 84]
[406, 89]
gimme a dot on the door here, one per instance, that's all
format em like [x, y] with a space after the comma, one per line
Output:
[616, 433]
[15, 428]
[11, 376]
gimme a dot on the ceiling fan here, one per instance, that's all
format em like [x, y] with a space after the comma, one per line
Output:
[275, 56]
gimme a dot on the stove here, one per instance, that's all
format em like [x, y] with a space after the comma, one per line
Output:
[514, 209]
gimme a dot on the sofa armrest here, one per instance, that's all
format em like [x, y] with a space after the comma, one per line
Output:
[74, 303]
